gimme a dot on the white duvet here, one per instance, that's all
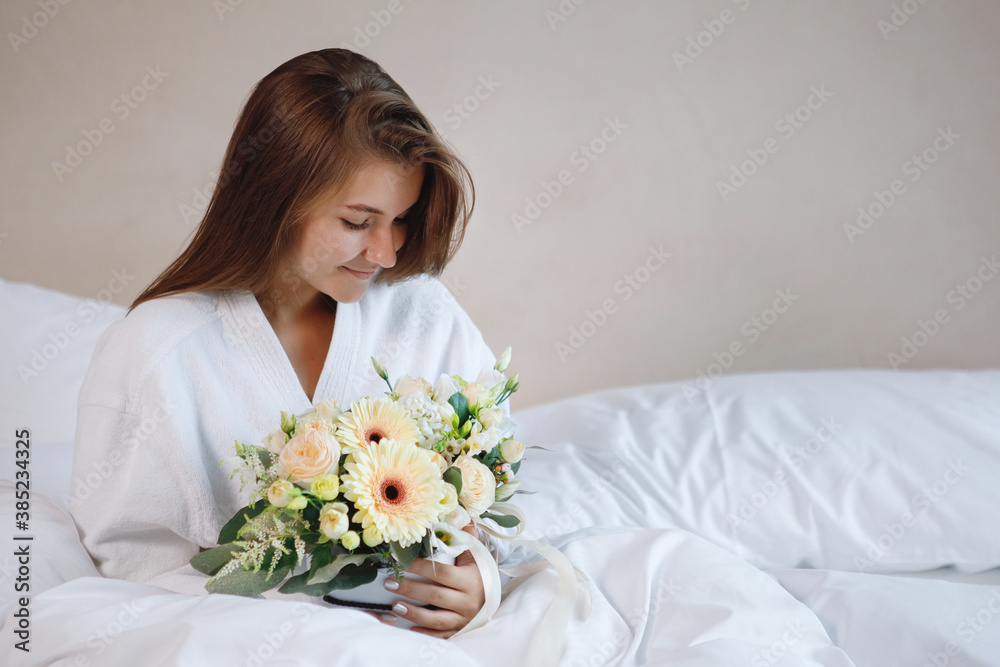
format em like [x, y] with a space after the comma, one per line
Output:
[640, 490]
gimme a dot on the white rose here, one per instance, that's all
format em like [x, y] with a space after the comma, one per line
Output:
[333, 521]
[444, 388]
[309, 455]
[479, 486]
[491, 378]
[511, 451]
[442, 462]
[280, 493]
[409, 385]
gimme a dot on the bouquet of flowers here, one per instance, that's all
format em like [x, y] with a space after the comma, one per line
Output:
[389, 480]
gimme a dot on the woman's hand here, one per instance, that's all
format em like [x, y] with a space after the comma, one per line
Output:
[455, 590]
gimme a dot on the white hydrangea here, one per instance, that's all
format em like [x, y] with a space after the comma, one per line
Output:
[430, 417]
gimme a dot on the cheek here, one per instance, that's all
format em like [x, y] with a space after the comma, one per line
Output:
[398, 236]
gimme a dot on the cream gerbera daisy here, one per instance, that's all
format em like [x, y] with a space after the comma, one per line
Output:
[396, 487]
[374, 421]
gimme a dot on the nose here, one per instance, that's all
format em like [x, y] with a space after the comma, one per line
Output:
[381, 248]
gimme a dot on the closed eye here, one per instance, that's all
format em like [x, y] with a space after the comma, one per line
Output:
[354, 226]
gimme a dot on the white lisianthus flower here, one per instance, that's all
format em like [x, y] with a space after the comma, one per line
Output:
[444, 388]
[329, 410]
[490, 417]
[459, 518]
[333, 521]
[479, 486]
[408, 385]
[491, 380]
[275, 441]
[475, 393]
[450, 499]
[511, 451]
[481, 440]
[281, 492]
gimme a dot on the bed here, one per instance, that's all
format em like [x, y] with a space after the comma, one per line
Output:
[842, 517]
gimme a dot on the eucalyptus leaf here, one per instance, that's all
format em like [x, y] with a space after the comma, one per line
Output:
[404, 555]
[505, 491]
[353, 576]
[504, 520]
[453, 476]
[328, 572]
[211, 561]
[248, 582]
[231, 529]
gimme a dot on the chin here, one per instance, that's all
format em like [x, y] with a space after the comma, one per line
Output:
[346, 293]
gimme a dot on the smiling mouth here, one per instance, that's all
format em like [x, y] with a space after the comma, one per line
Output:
[363, 275]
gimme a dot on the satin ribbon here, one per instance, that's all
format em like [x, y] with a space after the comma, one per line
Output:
[545, 647]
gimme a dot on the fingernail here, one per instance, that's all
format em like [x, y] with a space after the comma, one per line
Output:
[388, 618]
[399, 609]
[392, 584]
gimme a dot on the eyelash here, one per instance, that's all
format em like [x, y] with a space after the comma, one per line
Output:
[355, 227]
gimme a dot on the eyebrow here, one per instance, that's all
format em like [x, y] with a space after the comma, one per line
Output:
[365, 208]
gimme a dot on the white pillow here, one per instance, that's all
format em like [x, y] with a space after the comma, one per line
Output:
[859, 470]
[48, 338]
[55, 554]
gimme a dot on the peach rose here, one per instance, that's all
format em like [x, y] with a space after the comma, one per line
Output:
[309, 455]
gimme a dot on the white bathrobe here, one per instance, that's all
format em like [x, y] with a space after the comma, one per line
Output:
[171, 386]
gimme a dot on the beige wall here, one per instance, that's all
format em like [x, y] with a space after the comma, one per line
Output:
[612, 75]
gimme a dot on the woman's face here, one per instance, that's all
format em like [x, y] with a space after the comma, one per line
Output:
[357, 231]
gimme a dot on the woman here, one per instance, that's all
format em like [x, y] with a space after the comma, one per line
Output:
[336, 205]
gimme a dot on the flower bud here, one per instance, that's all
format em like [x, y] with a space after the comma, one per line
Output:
[350, 540]
[511, 450]
[299, 502]
[503, 361]
[371, 536]
[380, 369]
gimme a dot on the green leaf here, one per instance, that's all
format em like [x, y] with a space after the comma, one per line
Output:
[514, 467]
[328, 572]
[404, 555]
[211, 561]
[232, 527]
[504, 520]
[505, 491]
[353, 576]
[453, 476]
[248, 582]
[461, 405]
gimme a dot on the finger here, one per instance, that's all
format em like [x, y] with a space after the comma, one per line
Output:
[472, 530]
[442, 573]
[432, 619]
[385, 618]
[436, 595]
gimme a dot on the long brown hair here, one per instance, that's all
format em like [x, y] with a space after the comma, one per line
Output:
[308, 127]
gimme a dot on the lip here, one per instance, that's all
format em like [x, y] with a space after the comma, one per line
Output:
[362, 275]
